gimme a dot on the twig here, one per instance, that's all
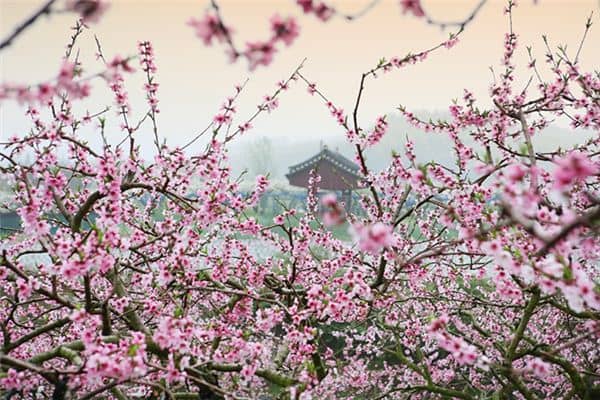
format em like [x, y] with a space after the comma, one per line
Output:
[46, 9]
[460, 24]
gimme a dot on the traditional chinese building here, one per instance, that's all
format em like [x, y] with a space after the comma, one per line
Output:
[337, 173]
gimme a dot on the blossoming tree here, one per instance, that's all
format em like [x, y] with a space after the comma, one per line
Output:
[135, 278]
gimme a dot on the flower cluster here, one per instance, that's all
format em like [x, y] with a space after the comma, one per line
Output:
[148, 278]
[256, 52]
[147, 62]
[262, 52]
[320, 9]
[89, 10]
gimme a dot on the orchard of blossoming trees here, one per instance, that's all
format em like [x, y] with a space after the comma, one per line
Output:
[134, 278]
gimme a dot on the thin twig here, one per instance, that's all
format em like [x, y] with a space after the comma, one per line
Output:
[46, 9]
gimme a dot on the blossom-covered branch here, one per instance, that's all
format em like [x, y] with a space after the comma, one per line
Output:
[144, 278]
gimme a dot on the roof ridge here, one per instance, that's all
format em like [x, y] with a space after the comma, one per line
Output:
[335, 157]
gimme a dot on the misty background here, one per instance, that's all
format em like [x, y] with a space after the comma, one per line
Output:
[265, 154]
[195, 79]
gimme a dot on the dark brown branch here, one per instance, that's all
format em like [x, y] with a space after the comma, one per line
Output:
[39, 331]
[586, 219]
[21, 365]
[460, 24]
[46, 9]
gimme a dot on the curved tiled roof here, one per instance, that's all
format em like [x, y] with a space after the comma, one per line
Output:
[333, 157]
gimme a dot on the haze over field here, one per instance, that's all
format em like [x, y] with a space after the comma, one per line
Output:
[261, 154]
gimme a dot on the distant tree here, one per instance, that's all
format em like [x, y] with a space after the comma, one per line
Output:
[260, 157]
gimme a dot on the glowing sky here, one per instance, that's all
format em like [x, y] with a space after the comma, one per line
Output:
[194, 79]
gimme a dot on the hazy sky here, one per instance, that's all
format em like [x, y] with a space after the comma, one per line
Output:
[194, 79]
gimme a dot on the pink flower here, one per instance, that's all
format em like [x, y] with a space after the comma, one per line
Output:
[307, 5]
[270, 103]
[285, 30]
[244, 127]
[438, 324]
[516, 173]
[66, 74]
[333, 214]
[120, 62]
[329, 200]
[259, 53]
[538, 367]
[413, 6]
[12, 380]
[78, 316]
[416, 177]
[89, 10]
[320, 10]
[248, 371]
[378, 131]
[173, 374]
[575, 167]
[573, 296]
[373, 238]
[210, 27]
[221, 119]
[24, 287]
[323, 11]
[451, 42]
[283, 85]
[146, 52]
[463, 352]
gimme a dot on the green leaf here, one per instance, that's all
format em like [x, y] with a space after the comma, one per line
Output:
[567, 273]
[523, 149]
[178, 312]
[132, 351]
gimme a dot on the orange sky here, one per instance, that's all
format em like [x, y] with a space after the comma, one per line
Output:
[195, 79]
